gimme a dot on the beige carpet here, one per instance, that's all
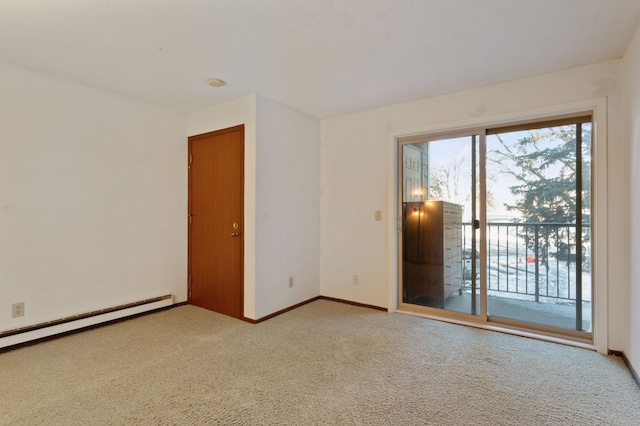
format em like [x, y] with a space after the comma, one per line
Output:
[324, 363]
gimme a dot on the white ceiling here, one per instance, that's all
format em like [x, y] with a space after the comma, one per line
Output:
[322, 57]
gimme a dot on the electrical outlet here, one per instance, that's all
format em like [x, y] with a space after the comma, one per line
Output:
[356, 279]
[378, 215]
[17, 310]
[290, 282]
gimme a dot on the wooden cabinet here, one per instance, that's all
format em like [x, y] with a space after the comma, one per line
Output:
[432, 252]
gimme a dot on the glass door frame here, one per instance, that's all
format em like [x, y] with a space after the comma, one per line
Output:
[479, 133]
[597, 338]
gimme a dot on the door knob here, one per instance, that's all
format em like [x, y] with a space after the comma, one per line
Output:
[234, 234]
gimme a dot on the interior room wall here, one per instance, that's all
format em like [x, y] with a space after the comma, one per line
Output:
[287, 206]
[354, 177]
[631, 73]
[281, 202]
[92, 199]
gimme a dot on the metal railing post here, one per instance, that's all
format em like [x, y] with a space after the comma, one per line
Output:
[537, 265]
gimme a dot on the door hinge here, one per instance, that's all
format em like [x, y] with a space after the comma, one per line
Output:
[189, 286]
[190, 218]
[190, 158]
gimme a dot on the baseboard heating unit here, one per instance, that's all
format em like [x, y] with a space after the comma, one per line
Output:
[76, 322]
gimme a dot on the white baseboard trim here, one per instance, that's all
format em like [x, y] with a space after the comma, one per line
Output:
[88, 320]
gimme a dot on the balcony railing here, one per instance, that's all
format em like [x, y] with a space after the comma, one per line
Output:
[533, 261]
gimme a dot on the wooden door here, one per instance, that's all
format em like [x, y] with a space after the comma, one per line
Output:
[216, 212]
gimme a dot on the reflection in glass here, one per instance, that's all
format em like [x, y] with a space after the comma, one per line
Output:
[437, 262]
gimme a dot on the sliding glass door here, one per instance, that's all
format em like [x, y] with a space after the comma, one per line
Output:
[538, 229]
[439, 241]
[495, 224]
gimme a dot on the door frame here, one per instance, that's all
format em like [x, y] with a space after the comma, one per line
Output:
[598, 109]
[241, 128]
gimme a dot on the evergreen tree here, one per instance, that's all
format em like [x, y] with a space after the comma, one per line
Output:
[543, 164]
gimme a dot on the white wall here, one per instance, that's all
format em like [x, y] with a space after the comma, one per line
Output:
[631, 72]
[355, 168]
[92, 199]
[287, 207]
[281, 199]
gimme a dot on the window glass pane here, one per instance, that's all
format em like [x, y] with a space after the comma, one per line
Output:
[439, 259]
[538, 220]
